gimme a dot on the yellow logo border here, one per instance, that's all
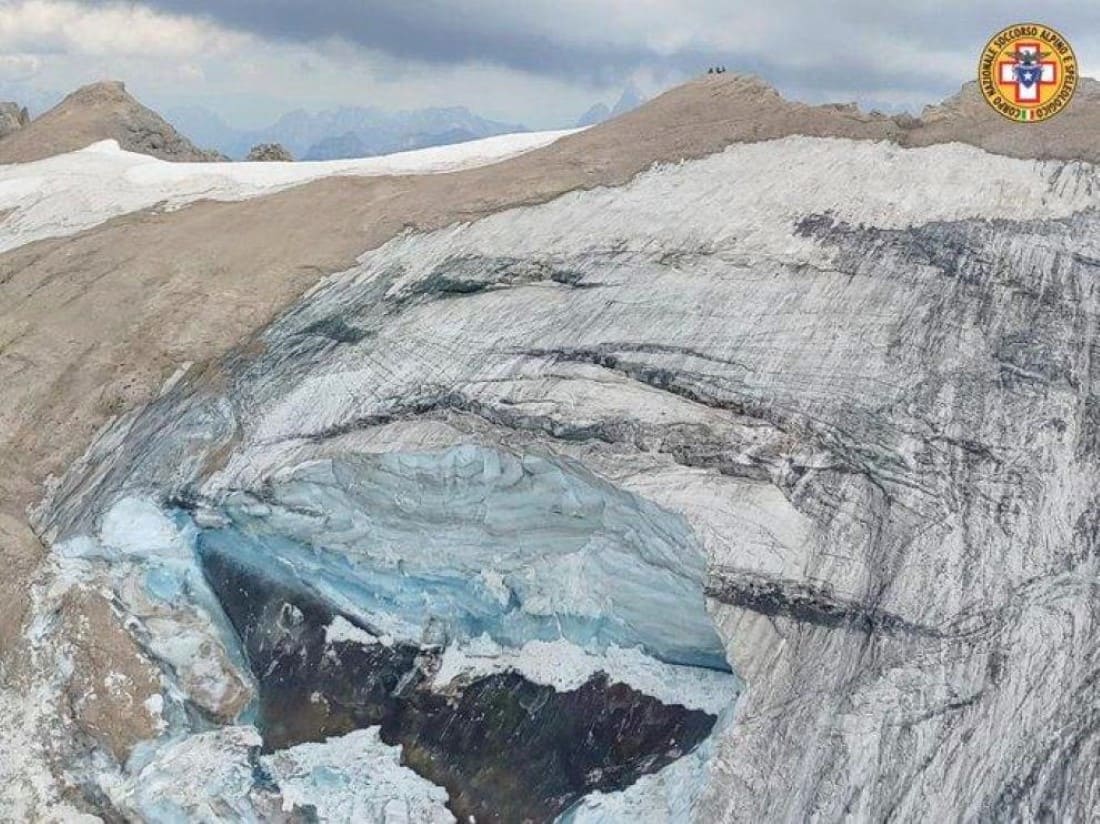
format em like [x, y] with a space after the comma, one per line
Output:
[1022, 113]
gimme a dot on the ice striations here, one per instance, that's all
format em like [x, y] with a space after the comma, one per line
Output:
[817, 411]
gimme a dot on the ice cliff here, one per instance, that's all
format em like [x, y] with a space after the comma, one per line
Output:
[778, 468]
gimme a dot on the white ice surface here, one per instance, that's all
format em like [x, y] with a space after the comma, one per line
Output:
[212, 777]
[72, 192]
[566, 666]
[132, 526]
[204, 777]
[667, 796]
[738, 209]
[356, 778]
[137, 526]
[343, 630]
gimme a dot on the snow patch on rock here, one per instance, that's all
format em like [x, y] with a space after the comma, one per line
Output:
[343, 630]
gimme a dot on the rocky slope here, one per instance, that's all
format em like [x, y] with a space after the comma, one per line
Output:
[811, 415]
[101, 111]
[269, 153]
[13, 117]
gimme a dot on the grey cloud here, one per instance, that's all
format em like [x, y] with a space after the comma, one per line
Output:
[820, 46]
[428, 31]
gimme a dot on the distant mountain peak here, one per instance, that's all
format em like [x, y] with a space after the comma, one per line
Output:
[596, 114]
[629, 100]
[99, 111]
[337, 147]
[352, 131]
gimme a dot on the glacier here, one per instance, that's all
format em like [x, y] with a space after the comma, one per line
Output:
[68, 193]
[469, 541]
[791, 447]
[467, 571]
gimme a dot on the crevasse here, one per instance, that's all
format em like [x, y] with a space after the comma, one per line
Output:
[445, 547]
[485, 564]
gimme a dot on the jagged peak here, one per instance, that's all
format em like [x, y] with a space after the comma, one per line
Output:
[101, 90]
[104, 110]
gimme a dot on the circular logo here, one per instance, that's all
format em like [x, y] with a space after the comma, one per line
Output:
[1027, 72]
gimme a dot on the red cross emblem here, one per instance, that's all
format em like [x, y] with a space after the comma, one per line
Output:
[1041, 73]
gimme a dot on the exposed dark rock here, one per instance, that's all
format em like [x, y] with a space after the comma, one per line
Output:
[505, 748]
[799, 602]
[13, 117]
[269, 153]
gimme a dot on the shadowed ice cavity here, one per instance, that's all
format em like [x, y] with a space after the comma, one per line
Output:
[510, 628]
[446, 547]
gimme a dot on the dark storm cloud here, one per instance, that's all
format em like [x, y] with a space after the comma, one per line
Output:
[428, 31]
[455, 32]
[856, 45]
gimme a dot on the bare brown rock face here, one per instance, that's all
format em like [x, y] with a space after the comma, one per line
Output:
[101, 111]
[112, 681]
[967, 118]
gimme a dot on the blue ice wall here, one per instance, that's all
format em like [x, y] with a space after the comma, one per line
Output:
[445, 546]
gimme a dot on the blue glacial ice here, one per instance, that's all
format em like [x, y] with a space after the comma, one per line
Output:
[449, 546]
[527, 563]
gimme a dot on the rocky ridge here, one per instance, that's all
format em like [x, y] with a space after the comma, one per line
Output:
[100, 111]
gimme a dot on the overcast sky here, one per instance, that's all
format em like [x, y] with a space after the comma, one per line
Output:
[539, 62]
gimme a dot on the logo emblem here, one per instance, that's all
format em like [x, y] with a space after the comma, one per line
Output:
[1027, 72]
